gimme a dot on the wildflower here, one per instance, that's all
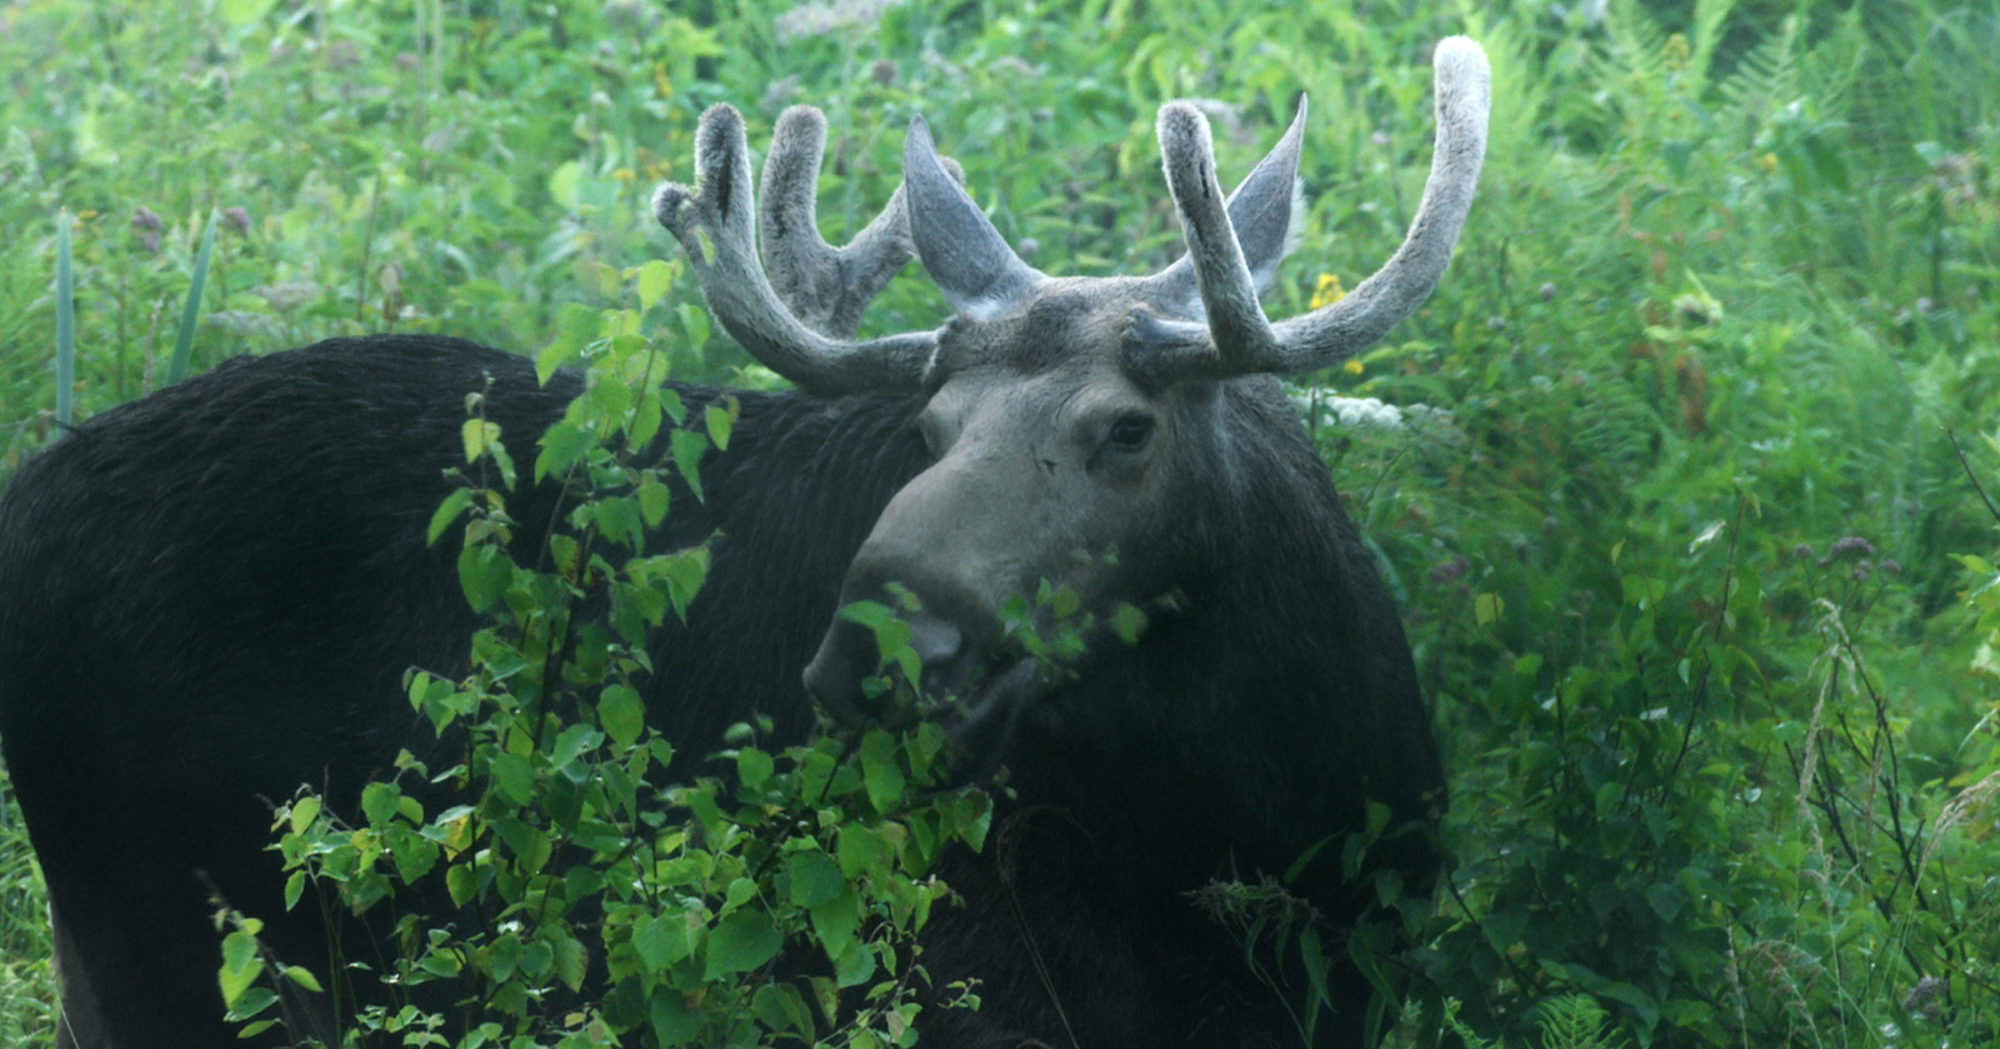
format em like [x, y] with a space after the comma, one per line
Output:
[1328, 291]
[146, 222]
[1447, 571]
[236, 218]
[1803, 551]
[1697, 309]
[828, 17]
[1548, 291]
[1852, 544]
[1767, 162]
[285, 296]
[1924, 998]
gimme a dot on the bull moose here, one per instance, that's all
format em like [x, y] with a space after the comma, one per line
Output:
[209, 596]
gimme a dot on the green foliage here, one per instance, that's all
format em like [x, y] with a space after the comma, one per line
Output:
[755, 898]
[1718, 770]
[27, 977]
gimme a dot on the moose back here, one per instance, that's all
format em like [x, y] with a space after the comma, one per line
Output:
[209, 596]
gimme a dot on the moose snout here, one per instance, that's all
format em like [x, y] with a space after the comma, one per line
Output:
[949, 632]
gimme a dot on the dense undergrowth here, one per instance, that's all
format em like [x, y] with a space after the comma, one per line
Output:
[1689, 532]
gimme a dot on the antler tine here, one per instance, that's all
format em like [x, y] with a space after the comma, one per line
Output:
[1464, 100]
[1264, 211]
[827, 288]
[713, 224]
[1239, 339]
[1239, 335]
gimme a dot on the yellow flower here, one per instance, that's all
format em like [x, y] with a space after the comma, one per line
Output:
[1328, 291]
[1354, 366]
[1677, 53]
[1767, 163]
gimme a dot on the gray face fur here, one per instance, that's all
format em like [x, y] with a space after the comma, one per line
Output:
[1067, 416]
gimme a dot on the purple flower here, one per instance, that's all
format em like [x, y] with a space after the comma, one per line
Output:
[1803, 551]
[1851, 545]
[146, 220]
[236, 218]
[1450, 570]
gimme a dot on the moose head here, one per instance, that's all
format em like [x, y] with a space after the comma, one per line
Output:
[1068, 417]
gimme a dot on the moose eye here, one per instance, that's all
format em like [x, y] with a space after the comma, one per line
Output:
[1131, 432]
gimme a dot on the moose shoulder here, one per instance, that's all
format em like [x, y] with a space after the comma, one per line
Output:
[209, 596]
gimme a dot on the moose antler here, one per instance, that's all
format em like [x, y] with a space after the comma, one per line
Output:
[1238, 339]
[832, 286]
[827, 288]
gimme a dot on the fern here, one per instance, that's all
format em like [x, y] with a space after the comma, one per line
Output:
[1576, 1021]
[1765, 80]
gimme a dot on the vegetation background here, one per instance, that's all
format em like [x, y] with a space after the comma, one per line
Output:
[1689, 501]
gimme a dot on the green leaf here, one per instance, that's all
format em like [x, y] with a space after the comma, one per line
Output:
[660, 941]
[240, 965]
[743, 941]
[378, 802]
[655, 279]
[479, 436]
[753, 767]
[242, 13]
[462, 881]
[654, 499]
[781, 1009]
[250, 1002]
[564, 184]
[816, 878]
[448, 511]
[881, 771]
[1128, 622]
[514, 777]
[622, 713]
[1487, 608]
[571, 961]
[483, 573]
[860, 850]
[673, 1020]
[564, 444]
[721, 422]
[191, 309]
[688, 448]
[835, 921]
[304, 811]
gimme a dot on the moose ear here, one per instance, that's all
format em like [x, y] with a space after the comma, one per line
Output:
[1267, 207]
[1265, 211]
[979, 274]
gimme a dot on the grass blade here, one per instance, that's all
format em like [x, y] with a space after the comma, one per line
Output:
[65, 323]
[191, 313]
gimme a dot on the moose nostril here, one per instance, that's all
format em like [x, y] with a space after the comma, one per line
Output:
[935, 640]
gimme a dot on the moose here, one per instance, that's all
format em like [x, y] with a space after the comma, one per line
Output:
[209, 596]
